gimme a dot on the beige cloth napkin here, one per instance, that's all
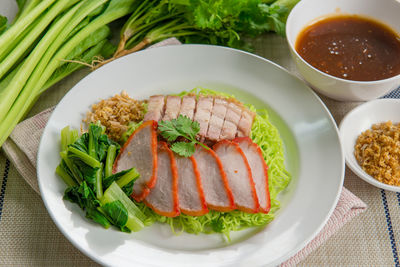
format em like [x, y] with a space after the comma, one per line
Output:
[22, 145]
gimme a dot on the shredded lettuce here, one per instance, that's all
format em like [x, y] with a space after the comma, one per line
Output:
[267, 137]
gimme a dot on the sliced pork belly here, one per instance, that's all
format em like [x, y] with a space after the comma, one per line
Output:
[259, 170]
[188, 106]
[245, 123]
[172, 107]
[217, 192]
[140, 152]
[163, 197]
[203, 113]
[238, 174]
[217, 119]
[232, 118]
[191, 196]
[155, 108]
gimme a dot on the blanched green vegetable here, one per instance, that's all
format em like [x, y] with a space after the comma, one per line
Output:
[135, 216]
[104, 198]
[111, 154]
[83, 196]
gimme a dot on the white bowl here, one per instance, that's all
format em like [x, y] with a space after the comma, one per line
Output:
[360, 119]
[307, 11]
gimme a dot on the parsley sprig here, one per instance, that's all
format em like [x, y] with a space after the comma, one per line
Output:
[181, 127]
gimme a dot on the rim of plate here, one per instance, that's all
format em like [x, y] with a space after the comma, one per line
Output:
[301, 245]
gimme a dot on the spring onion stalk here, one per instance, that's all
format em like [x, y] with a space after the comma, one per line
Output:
[99, 182]
[174, 28]
[65, 176]
[79, 27]
[128, 177]
[6, 81]
[6, 52]
[22, 46]
[23, 23]
[111, 153]
[114, 193]
[142, 29]
[116, 9]
[139, 22]
[71, 67]
[25, 8]
[102, 46]
[128, 28]
[59, 31]
[12, 91]
[90, 41]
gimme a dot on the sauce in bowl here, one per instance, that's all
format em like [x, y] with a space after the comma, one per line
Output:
[351, 47]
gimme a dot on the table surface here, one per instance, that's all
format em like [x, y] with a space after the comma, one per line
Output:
[28, 236]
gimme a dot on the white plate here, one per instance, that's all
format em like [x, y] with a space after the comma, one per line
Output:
[359, 120]
[313, 154]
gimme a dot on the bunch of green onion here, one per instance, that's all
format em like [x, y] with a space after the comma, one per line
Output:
[34, 48]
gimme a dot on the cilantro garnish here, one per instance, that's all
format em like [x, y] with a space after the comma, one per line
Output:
[181, 127]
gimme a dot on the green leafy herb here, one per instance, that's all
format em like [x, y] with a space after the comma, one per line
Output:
[181, 127]
[183, 149]
[218, 22]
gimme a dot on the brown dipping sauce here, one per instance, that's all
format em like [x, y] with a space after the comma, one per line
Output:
[351, 47]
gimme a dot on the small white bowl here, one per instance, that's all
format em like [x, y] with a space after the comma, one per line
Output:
[360, 119]
[307, 11]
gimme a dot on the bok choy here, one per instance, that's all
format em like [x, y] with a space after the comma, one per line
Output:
[102, 196]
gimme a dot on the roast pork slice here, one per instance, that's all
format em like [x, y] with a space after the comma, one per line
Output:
[217, 192]
[217, 119]
[259, 170]
[203, 113]
[140, 152]
[163, 197]
[172, 107]
[238, 174]
[155, 108]
[190, 189]
[232, 118]
[245, 123]
[188, 106]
